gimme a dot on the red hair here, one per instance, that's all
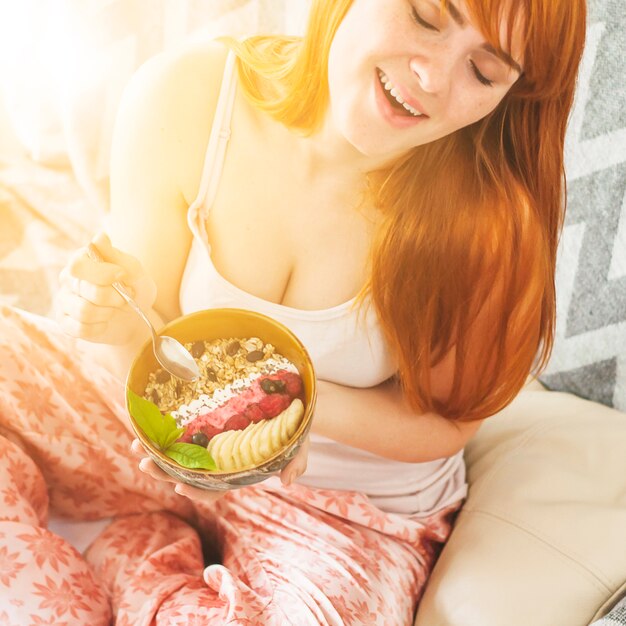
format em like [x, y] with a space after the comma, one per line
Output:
[463, 262]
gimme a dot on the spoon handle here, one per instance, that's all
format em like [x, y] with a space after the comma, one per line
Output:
[94, 253]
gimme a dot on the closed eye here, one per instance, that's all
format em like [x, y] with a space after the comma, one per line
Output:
[418, 20]
[483, 79]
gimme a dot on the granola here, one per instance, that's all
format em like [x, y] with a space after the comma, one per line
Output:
[222, 362]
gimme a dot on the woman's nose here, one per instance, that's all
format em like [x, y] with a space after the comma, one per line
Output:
[432, 71]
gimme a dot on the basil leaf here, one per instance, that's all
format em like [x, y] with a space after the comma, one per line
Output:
[174, 434]
[191, 456]
[163, 431]
[158, 428]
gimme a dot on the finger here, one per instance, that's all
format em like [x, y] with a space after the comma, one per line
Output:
[74, 328]
[84, 311]
[104, 296]
[148, 466]
[136, 448]
[97, 272]
[103, 243]
[114, 255]
[198, 495]
[76, 278]
[297, 466]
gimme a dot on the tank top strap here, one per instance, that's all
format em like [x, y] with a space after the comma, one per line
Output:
[216, 150]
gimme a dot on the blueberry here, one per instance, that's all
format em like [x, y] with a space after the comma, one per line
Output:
[272, 386]
[267, 384]
[200, 439]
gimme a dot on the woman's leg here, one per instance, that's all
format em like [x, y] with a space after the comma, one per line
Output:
[288, 556]
[63, 444]
[68, 415]
[43, 580]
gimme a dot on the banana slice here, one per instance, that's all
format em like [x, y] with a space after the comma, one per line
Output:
[257, 457]
[274, 427]
[235, 449]
[295, 411]
[262, 441]
[236, 456]
[222, 452]
[216, 446]
[245, 451]
[228, 451]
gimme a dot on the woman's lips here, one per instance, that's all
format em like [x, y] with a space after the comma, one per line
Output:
[396, 118]
[397, 93]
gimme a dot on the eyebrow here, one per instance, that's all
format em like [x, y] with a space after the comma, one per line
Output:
[456, 15]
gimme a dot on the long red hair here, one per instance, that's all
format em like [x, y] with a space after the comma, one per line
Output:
[464, 258]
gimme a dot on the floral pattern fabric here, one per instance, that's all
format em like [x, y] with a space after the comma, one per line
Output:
[267, 554]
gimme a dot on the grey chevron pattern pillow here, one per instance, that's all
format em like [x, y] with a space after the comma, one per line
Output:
[589, 357]
[617, 616]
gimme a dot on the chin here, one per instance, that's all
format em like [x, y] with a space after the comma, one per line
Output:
[368, 148]
[377, 147]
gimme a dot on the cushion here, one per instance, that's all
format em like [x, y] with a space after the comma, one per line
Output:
[541, 539]
[589, 357]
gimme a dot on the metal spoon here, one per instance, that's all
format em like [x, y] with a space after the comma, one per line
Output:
[171, 354]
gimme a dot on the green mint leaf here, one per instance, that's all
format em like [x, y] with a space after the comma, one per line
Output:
[191, 456]
[174, 434]
[160, 429]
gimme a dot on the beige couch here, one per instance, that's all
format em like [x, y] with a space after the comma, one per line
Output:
[541, 540]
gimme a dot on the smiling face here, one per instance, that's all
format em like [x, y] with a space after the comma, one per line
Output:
[402, 74]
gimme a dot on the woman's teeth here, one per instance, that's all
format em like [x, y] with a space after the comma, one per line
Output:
[392, 90]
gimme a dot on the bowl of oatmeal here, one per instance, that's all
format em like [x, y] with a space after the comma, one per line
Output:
[246, 416]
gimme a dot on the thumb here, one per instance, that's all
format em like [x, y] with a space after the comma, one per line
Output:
[103, 244]
[109, 253]
[297, 466]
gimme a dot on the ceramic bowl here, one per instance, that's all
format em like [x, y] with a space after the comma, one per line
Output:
[213, 324]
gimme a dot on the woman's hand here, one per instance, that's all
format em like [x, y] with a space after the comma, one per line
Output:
[294, 469]
[148, 466]
[297, 466]
[89, 308]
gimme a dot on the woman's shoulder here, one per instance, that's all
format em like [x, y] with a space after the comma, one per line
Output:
[175, 95]
[176, 83]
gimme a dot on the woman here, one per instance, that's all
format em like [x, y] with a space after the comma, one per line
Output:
[390, 187]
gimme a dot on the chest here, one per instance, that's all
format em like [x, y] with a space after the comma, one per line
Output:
[304, 245]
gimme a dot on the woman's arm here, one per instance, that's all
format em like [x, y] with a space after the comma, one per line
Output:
[161, 131]
[160, 139]
[379, 420]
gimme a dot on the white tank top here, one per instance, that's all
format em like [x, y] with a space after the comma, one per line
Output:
[346, 346]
